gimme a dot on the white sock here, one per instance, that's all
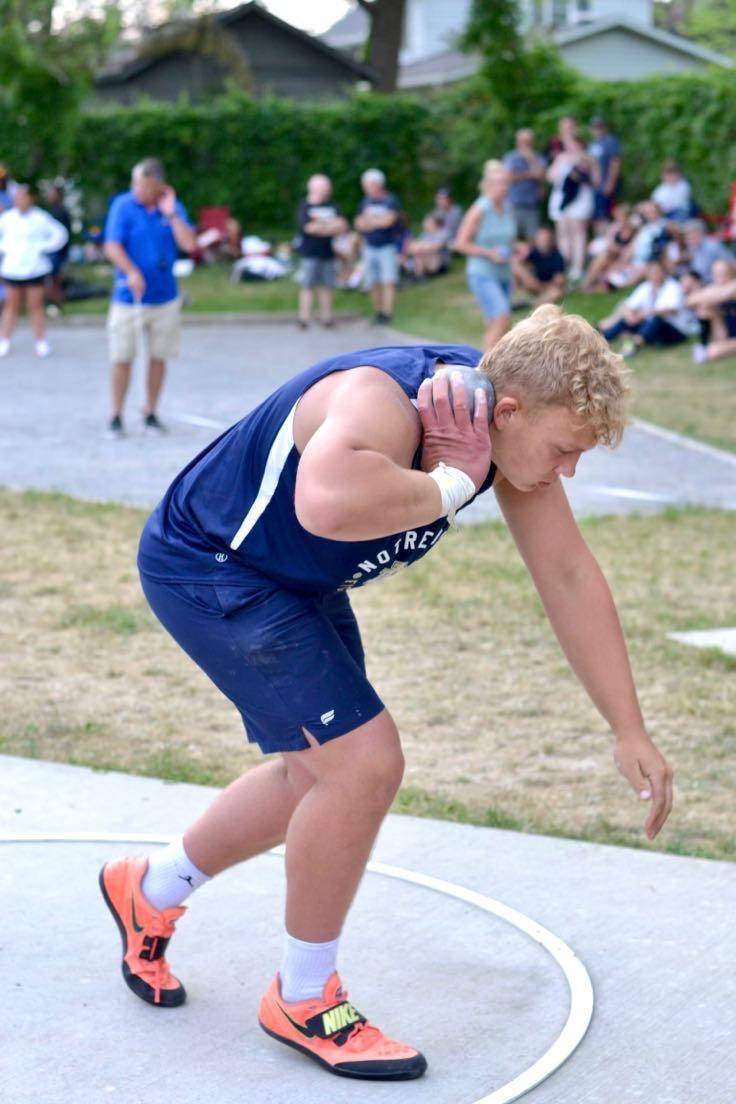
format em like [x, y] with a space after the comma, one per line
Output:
[171, 876]
[306, 967]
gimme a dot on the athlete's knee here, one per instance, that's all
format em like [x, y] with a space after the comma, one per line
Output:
[297, 776]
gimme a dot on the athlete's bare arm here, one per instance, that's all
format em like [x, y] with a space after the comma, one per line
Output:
[357, 433]
[582, 612]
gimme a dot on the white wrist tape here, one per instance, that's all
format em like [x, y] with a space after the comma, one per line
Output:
[455, 487]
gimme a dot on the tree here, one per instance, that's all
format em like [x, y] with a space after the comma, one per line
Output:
[45, 74]
[713, 23]
[384, 43]
[524, 78]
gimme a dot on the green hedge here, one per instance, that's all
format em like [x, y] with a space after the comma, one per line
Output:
[255, 156]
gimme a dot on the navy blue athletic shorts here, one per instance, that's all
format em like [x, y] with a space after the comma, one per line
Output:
[287, 661]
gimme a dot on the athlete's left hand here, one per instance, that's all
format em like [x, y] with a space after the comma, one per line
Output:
[649, 774]
[167, 201]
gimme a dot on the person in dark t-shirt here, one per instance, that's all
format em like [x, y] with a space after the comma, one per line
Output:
[540, 268]
[319, 222]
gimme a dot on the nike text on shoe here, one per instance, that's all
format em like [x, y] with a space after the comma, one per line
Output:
[145, 932]
[333, 1033]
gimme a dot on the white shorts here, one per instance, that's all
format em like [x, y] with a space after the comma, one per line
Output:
[160, 324]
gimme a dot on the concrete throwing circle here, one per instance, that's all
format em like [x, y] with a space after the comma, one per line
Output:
[577, 977]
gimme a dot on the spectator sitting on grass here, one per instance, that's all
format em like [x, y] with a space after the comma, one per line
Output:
[702, 251]
[319, 222]
[653, 314]
[429, 254]
[715, 305]
[674, 195]
[540, 267]
[614, 249]
[377, 221]
[647, 246]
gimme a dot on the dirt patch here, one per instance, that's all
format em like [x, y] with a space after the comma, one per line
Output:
[495, 726]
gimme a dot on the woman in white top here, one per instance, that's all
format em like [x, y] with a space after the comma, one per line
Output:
[27, 236]
[572, 175]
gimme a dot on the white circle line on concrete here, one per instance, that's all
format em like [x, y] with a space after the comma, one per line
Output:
[577, 977]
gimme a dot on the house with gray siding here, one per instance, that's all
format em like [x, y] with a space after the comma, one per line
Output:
[196, 57]
[605, 39]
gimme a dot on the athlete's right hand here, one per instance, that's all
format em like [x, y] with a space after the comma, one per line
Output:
[449, 435]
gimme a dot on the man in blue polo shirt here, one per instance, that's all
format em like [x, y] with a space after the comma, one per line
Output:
[146, 229]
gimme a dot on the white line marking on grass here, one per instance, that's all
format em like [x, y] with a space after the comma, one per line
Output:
[578, 980]
[686, 442]
[626, 492]
[724, 639]
[196, 420]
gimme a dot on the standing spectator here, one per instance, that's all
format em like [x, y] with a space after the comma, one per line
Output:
[486, 236]
[319, 222]
[568, 127]
[57, 209]
[606, 152]
[7, 189]
[378, 222]
[653, 314]
[571, 202]
[145, 229]
[27, 236]
[540, 267]
[674, 195]
[527, 169]
[703, 251]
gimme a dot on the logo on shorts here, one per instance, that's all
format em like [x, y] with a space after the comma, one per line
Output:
[220, 556]
[328, 716]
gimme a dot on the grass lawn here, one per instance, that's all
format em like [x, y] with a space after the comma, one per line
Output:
[210, 289]
[669, 390]
[496, 728]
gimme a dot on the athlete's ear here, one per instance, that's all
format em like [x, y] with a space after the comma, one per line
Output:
[507, 407]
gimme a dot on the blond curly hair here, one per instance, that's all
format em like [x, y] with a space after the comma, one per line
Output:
[558, 359]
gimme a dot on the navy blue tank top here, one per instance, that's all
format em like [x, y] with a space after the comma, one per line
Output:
[232, 510]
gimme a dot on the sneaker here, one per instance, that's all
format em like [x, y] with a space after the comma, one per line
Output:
[700, 354]
[115, 427]
[333, 1033]
[629, 349]
[4, 346]
[43, 349]
[302, 324]
[145, 932]
[152, 424]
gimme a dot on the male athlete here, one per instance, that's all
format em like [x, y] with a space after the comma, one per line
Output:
[353, 469]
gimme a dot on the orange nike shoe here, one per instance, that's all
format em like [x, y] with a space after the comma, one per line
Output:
[332, 1032]
[145, 932]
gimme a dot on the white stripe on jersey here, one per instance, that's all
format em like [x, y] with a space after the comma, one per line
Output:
[277, 457]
